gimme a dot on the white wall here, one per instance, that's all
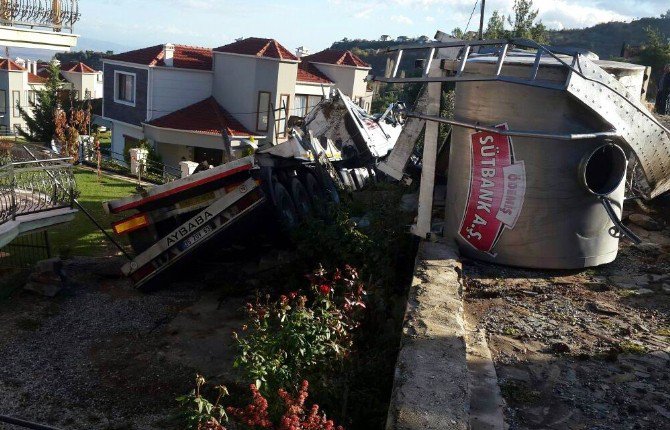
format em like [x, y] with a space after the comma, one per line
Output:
[313, 89]
[172, 154]
[349, 80]
[174, 89]
[238, 79]
[120, 129]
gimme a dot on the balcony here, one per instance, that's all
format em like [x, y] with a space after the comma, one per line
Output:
[36, 191]
[43, 24]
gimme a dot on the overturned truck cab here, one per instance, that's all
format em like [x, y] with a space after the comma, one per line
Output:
[334, 148]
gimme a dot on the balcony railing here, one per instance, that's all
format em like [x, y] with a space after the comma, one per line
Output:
[32, 186]
[58, 15]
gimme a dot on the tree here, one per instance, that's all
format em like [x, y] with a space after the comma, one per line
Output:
[41, 125]
[524, 25]
[656, 53]
[495, 28]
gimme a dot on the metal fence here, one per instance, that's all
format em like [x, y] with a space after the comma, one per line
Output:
[29, 185]
[151, 171]
[24, 251]
[55, 14]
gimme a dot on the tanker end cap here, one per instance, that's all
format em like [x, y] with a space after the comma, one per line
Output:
[602, 170]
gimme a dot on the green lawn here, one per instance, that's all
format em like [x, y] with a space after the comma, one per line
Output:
[81, 236]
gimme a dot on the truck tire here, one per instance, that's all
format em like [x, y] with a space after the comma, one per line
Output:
[301, 199]
[284, 207]
[316, 194]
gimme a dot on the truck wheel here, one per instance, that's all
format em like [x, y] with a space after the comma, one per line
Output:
[286, 212]
[316, 193]
[301, 199]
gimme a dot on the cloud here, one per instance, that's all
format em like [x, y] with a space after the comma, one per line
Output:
[402, 19]
[429, 19]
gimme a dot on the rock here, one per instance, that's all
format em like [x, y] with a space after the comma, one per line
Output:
[628, 282]
[661, 355]
[649, 248]
[516, 374]
[646, 222]
[53, 265]
[559, 348]
[622, 377]
[661, 410]
[601, 308]
[45, 289]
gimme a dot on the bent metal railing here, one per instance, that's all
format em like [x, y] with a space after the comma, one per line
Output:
[55, 14]
[28, 187]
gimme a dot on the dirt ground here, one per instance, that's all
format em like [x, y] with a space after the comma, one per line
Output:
[102, 355]
[583, 349]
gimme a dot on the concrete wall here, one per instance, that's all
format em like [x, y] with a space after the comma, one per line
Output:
[174, 89]
[116, 111]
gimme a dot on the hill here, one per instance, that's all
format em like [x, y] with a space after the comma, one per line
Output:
[606, 40]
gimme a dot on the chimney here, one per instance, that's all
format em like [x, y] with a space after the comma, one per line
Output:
[168, 54]
[301, 51]
[34, 64]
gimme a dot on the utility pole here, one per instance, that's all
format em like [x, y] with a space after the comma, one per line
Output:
[481, 21]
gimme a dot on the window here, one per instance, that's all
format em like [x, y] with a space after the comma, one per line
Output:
[312, 102]
[3, 102]
[30, 97]
[99, 77]
[282, 114]
[16, 102]
[75, 94]
[124, 88]
[304, 104]
[87, 95]
[263, 112]
[300, 105]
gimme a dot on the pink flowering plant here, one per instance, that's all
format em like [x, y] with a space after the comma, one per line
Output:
[288, 339]
[293, 415]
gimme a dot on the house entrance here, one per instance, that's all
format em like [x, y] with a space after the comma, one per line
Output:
[213, 156]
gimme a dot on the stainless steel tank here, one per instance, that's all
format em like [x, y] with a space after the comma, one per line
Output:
[531, 201]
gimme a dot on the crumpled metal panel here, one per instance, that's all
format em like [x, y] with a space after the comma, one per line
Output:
[647, 138]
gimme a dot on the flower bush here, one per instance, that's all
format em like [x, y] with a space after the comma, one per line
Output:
[287, 338]
[255, 415]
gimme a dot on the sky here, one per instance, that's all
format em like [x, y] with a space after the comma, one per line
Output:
[316, 24]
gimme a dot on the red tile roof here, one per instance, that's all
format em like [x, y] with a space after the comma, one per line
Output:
[307, 72]
[205, 117]
[77, 68]
[44, 73]
[7, 64]
[336, 56]
[35, 79]
[185, 57]
[266, 48]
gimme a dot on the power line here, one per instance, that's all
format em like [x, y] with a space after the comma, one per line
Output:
[471, 14]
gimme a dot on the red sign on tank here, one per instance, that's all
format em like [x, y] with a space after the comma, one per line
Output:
[497, 189]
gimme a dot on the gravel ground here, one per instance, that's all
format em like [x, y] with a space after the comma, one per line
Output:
[89, 359]
[582, 349]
